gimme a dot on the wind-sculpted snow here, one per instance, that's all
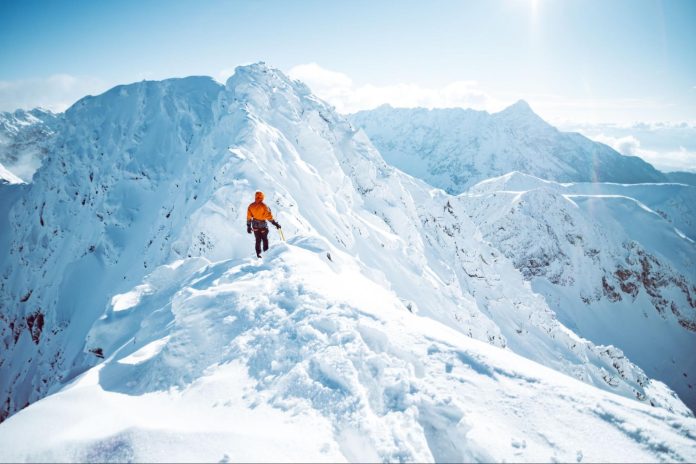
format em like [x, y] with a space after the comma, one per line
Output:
[149, 174]
[609, 260]
[280, 360]
[455, 148]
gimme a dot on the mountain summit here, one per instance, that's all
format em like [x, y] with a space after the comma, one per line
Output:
[520, 107]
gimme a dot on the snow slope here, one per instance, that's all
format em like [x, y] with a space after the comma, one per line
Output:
[455, 148]
[609, 260]
[149, 174]
[279, 360]
[7, 177]
[23, 139]
[688, 178]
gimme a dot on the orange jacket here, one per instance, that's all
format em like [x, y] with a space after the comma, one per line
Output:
[259, 211]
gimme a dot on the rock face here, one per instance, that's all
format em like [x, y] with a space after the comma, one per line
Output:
[455, 148]
[153, 176]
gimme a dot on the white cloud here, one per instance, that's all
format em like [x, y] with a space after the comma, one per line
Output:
[223, 75]
[642, 127]
[562, 110]
[628, 145]
[680, 159]
[339, 90]
[56, 92]
[320, 79]
[676, 160]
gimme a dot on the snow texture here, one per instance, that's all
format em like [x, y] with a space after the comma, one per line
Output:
[279, 360]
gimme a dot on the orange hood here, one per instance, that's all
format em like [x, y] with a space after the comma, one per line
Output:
[259, 196]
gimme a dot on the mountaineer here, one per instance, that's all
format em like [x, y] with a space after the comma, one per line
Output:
[257, 215]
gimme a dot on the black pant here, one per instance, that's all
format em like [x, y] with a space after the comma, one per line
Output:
[261, 235]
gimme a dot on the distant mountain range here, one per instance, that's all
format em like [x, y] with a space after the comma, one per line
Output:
[456, 148]
[23, 139]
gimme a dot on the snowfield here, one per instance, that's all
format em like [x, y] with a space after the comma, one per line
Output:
[280, 360]
[393, 325]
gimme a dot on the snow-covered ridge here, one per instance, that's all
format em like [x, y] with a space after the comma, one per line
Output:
[149, 174]
[310, 369]
[455, 148]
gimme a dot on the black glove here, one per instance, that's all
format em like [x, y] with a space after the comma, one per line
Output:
[275, 224]
[248, 229]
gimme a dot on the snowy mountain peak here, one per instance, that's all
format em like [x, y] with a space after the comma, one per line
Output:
[520, 113]
[23, 117]
[520, 106]
[265, 79]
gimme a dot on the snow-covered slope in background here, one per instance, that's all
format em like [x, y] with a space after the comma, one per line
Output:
[675, 203]
[7, 177]
[455, 148]
[617, 263]
[688, 178]
[280, 360]
[153, 173]
[24, 137]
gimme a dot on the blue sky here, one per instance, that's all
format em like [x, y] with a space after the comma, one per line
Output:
[618, 61]
[637, 52]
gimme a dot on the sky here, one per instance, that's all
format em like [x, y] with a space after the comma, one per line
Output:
[578, 63]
